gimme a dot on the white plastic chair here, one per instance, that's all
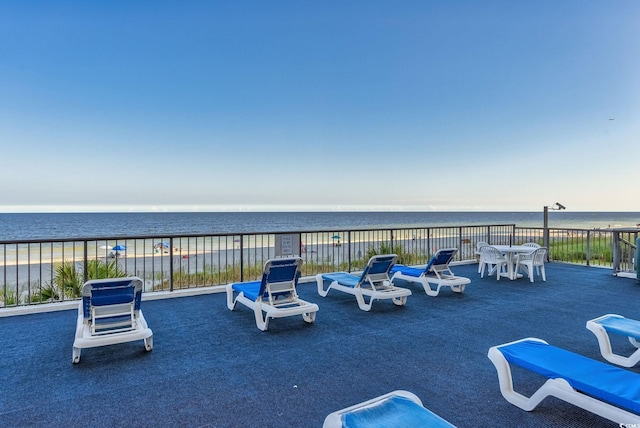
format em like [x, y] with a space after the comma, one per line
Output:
[530, 260]
[494, 259]
[479, 245]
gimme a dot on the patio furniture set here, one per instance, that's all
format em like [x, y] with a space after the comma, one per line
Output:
[110, 313]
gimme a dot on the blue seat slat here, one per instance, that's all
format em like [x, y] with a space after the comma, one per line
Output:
[395, 411]
[343, 278]
[622, 326]
[600, 380]
[251, 289]
[407, 270]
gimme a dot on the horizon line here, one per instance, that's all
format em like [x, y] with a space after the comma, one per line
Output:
[53, 209]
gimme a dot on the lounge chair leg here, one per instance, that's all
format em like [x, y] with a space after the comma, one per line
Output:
[148, 343]
[428, 290]
[363, 304]
[321, 291]
[231, 302]
[76, 355]
[261, 321]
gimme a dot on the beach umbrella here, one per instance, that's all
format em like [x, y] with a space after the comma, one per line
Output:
[105, 247]
[120, 248]
[335, 237]
[161, 245]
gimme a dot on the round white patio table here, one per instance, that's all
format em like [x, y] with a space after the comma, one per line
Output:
[510, 251]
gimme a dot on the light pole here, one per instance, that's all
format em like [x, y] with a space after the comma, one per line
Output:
[557, 206]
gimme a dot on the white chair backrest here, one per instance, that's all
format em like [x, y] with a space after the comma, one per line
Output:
[531, 244]
[491, 254]
[539, 256]
[481, 244]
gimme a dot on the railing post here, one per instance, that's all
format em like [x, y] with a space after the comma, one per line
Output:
[545, 232]
[171, 247]
[349, 251]
[637, 259]
[241, 258]
[588, 249]
[86, 261]
[616, 252]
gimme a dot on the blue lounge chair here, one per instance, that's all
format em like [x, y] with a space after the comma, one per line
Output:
[275, 295]
[374, 283]
[436, 272]
[396, 409]
[617, 324]
[605, 390]
[110, 313]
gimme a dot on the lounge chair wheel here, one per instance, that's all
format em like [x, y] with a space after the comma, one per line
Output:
[400, 301]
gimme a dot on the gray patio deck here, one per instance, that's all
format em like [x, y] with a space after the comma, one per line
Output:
[211, 367]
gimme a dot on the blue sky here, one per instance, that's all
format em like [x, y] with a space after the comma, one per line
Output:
[308, 105]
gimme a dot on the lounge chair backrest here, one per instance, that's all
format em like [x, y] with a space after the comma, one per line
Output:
[280, 276]
[377, 269]
[111, 291]
[440, 261]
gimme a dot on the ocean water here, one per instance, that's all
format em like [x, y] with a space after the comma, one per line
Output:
[89, 225]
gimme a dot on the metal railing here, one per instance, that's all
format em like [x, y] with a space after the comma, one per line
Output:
[33, 272]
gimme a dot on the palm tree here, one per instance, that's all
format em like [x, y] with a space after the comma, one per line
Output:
[97, 269]
[69, 278]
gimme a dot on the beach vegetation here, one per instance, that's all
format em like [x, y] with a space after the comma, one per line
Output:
[404, 257]
[69, 278]
[9, 298]
[574, 250]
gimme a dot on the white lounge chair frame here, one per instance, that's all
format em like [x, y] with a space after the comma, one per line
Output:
[276, 298]
[436, 272]
[374, 283]
[334, 420]
[556, 387]
[129, 325]
[623, 326]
